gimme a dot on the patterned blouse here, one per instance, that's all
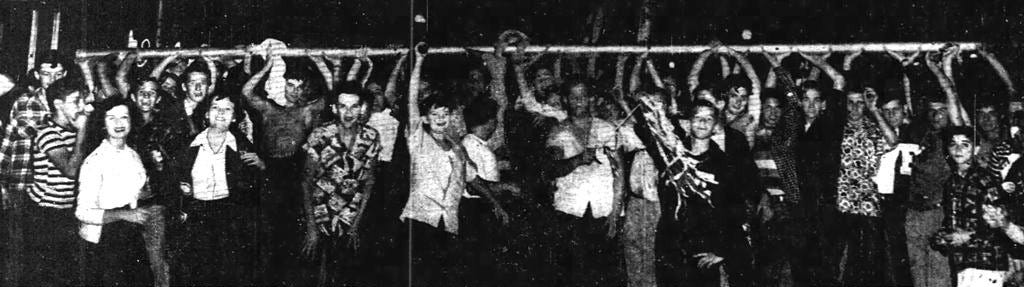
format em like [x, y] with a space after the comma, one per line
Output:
[862, 146]
[964, 196]
[341, 171]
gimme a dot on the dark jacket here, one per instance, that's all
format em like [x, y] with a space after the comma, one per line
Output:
[244, 180]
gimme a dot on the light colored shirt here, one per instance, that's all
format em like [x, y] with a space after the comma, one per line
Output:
[209, 178]
[110, 178]
[435, 186]
[484, 164]
[591, 184]
[387, 127]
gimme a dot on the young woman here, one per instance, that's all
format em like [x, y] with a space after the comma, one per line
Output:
[219, 176]
[111, 181]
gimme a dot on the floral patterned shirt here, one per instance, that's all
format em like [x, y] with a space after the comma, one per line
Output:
[338, 178]
[862, 146]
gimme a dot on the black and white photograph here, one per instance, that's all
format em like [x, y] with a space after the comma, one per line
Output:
[477, 143]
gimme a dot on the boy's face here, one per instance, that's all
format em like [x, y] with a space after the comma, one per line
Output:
[893, 112]
[771, 112]
[961, 149]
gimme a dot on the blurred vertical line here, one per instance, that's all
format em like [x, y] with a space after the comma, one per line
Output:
[84, 27]
[32, 37]
[159, 21]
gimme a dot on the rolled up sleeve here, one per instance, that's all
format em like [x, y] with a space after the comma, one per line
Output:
[89, 181]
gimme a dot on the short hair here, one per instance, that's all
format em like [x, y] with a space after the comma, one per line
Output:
[51, 57]
[353, 88]
[196, 67]
[809, 85]
[950, 132]
[480, 111]
[60, 90]
[702, 103]
[735, 81]
[436, 101]
[140, 82]
[772, 93]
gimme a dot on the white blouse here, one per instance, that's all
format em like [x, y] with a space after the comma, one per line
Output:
[110, 178]
[209, 178]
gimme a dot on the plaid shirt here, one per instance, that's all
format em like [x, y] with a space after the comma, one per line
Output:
[28, 113]
[964, 195]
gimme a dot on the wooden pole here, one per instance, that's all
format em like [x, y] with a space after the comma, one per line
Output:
[55, 37]
[301, 52]
[33, 37]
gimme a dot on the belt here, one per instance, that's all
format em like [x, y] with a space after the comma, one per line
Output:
[924, 207]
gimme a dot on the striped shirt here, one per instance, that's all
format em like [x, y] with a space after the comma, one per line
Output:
[52, 188]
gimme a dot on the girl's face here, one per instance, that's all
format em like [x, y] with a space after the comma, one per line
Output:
[118, 122]
[349, 109]
[221, 114]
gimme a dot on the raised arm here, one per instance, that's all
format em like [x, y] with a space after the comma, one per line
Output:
[821, 61]
[357, 64]
[369, 71]
[122, 73]
[655, 77]
[556, 69]
[634, 76]
[391, 88]
[324, 71]
[336, 69]
[905, 62]
[250, 97]
[107, 87]
[159, 69]
[952, 101]
[1000, 70]
[414, 88]
[620, 74]
[724, 63]
[87, 74]
[693, 80]
[211, 65]
[496, 65]
[871, 101]
[848, 60]
[754, 100]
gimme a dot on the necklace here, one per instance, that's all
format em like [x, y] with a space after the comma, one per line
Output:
[219, 147]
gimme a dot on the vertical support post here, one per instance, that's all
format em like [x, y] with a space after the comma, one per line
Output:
[33, 36]
[55, 37]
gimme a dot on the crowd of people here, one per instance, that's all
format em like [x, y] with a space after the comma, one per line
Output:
[529, 170]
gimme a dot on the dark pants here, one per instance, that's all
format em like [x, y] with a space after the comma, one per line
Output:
[480, 236]
[928, 267]
[638, 241]
[587, 256]
[676, 265]
[337, 263]
[51, 247]
[118, 259]
[782, 248]
[217, 249]
[861, 245]
[431, 256]
[282, 225]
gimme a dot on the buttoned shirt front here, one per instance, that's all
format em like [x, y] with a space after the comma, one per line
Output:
[436, 187]
[209, 175]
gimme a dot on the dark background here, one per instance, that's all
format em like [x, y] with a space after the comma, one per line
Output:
[377, 23]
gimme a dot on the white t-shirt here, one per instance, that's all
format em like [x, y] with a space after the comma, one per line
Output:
[591, 184]
[484, 164]
[387, 128]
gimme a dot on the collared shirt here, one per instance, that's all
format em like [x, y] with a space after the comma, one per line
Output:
[52, 187]
[861, 148]
[28, 112]
[387, 126]
[962, 206]
[110, 178]
[436, 185]
[209, 176]
[340, 174]
[591, 184]
[484, 164]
